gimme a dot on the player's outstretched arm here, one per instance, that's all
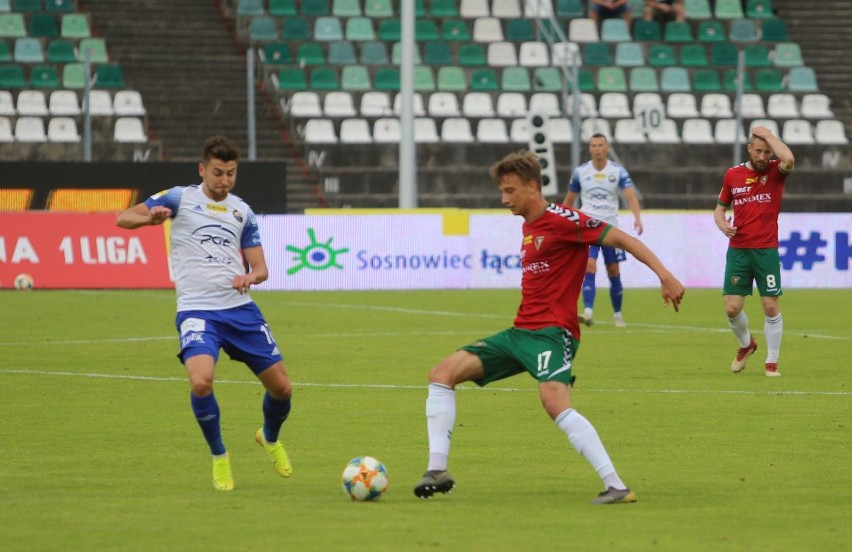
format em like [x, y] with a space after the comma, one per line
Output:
[670, 287]
[140, 215]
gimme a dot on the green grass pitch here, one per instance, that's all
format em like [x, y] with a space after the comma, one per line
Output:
[100, 451]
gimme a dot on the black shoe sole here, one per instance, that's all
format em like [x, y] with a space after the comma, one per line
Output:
[426, 491]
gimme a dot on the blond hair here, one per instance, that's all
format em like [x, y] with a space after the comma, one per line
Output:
[524, 164]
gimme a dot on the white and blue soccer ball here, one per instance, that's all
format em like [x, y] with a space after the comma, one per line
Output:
[23, 281]
[364, 478]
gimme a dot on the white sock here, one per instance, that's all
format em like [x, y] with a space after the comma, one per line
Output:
[440, 418]
[739, 324]
[585, 439]
[772, 329]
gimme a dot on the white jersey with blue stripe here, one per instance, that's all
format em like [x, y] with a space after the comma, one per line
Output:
[598, 189]
[207, 239]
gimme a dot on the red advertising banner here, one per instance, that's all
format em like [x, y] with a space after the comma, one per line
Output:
[81, 251]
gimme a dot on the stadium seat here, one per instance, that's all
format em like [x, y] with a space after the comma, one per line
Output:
[583, 30]
[129, 130]
[587, 104]
[752, 106]
[729, 9]
[109, 75]
[664, 133]
[250, 7]
[386, 131]
[511, 104]
[305, 104]
[681, 105]
[782, 106]
[565, 53]
[443, 104]
[5, 53]
[570, 9]
[611, 79]
[697, 131]
[424, 78]
[519, 131]
[396, 54]
[614, 105]
[360, 29]
[643, 79]
[294, 29]
[597, 53]
[593, 126]
[472, 54]
[538, 9]
[547, 79]
[514, 79]
[337, 103]
[355, 131]
[7, 104]
[787, 54]
[292, 78]
[12, 76]
[487, 29]
[61, 51]
[28, 50]
[455, 30]
[730, 81]
[534, 54]
[501, 54]
[443, 8]
[757, 55]
[346, 8]
[341, 52]
[797, 132]
[320, 131]
[831, 133]
[452, 79]
[614, 29]
[386, 78]
[697, 9]
[661, 55]
[477, 104]
[378, 8]
[674, 79]
[314, 8]
[474, 8]
[456, 130]
[677, 31]
[727, 131]
[44, 76]
[30, 130]
[506, 9]
[724, 54]
[425, 29]
[261, 29]
[587, 81]
[816, 106]
[32, 103]
[759, 9]
[802, 79]
[768, 123]
[545, 103]
[645, 102]
[375, 104]
[42, 25]
[374, 52]
[768, 80]
[275, 53]
[12, 25]
[128, 103]
[283, 8]
[561, 131]
[716, 106]
[711, 31]
[483, 80]
[6, 134]
[99, 104]
[59, 6]
[627, 131]
[63, 130]
[629, 54]
[492, 131]
[419, 110]
[742, 30]
[75, 25]
[706, 80]
[774, 30]
[328, 28]
[355, 77]
[647, 31]
[437, 53]
[693, 55]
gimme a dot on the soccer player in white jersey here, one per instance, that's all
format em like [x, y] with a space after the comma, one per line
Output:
[597, 183]
[214, 237]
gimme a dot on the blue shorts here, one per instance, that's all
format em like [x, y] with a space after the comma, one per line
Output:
[611, 255]
[612, 12]
[241, 332]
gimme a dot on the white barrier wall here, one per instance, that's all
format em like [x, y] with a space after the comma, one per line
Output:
[428, 251]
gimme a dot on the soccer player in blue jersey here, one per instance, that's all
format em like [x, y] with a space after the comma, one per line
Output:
[597, 183]
[214, 237]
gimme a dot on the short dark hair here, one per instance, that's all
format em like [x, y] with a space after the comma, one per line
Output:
[219, 147]
[524, 163]
[599, 135]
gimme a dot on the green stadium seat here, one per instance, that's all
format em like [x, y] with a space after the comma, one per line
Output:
[675, 79]
[520, 30]
[742, 30]
[548, 31]
[277, 53]
[314, 8]
[390, 30]
[378, 8]
[587, 80]
[61, 51]
[355, 77]
[250, 7]
[26, 6]
[374, 52]
[12, 76]
[295, 29]
[424, 79]
[59, 6]
[729, 9]
[455, 30]
[109, 75]
[328, 28]
[597, 53]
[96, 48]
[341, 52]
[570, 9]
[262, 28]
[472, 53]
[451, 79]
[614, 29]
[437, 53]
[425, 29]
[346, 8]
[611, 79]
[643, 79]
[515, 79]
[324, 79]
[697, 9]
[387, 78]
[5, 53]
[802, 79]
[647, 31]
[724, 54]
[73, 76]
[292, 79]
[484, 79]
[359, 29]
[711, 31]
[396, 54]
[443, 8]
[774, 30]
[547, 79]
[759, 9]
[283, 8]
[661, 55]
[75, 25]
[693, 55]
[706, 80]
[310, 53]
[419, 8]
[44, 76]
[43, 25]
[729, 81]
[12, 25]
[768, 80]
[788, 54]
[629, 54]
[757, 55]
[678, 31]
[28, 50]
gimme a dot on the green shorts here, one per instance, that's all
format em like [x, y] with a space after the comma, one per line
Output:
[546, 354]
[743, 267]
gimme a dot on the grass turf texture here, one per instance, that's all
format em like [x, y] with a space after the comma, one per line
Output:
[101, 452]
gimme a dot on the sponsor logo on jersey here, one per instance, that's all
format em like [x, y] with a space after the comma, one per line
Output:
[763, 180]
[538, 241]
[217, 208]
[612, 178]
[741, 190]
[237, 216]
[751, 180]
[198, 208]
[528, 240]
[593, 223]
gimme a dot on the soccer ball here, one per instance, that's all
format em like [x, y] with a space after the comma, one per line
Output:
[23, 281]
[364, 478]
